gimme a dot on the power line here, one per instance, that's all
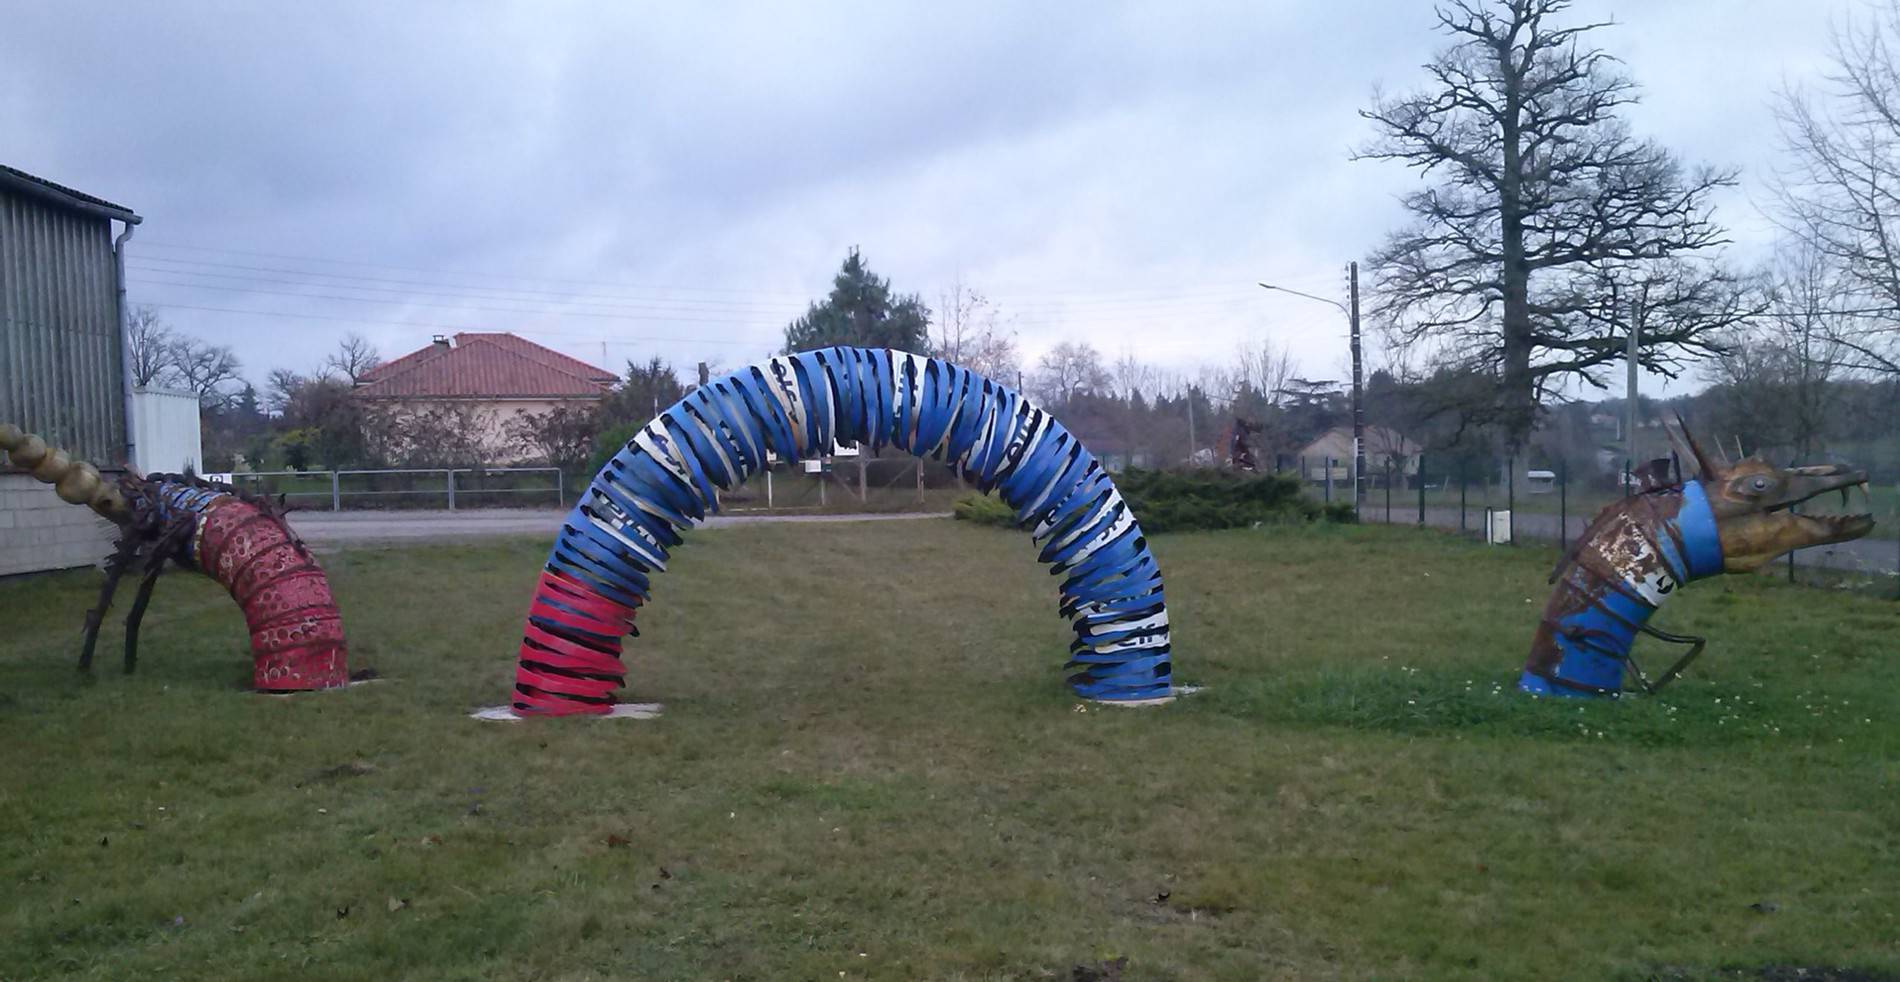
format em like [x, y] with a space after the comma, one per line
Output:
[1132, 315]
[444, 272]
[391, 302]
[1110, 296]
[402, 295]
[1045, 310]
[189, 266]
[448, 327]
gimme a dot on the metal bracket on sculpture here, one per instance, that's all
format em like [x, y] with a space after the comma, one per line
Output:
[668, 476]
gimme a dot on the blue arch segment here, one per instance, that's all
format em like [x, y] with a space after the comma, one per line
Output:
[667, 477]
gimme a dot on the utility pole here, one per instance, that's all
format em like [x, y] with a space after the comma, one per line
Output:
[1359, 401]
[1629, 414]
[1358, 382]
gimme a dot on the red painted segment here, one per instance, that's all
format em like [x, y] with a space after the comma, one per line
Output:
[564, 676]
[296, 631]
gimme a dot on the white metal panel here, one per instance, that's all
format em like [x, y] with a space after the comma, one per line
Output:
[165, 434]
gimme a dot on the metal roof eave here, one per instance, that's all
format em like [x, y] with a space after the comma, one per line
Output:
[25, 183]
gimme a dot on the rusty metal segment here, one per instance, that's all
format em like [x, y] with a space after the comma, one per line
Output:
[1640, 551]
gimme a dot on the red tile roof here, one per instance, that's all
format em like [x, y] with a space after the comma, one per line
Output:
[486, 366]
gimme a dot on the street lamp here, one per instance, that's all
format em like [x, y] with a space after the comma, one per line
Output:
[1358, 401]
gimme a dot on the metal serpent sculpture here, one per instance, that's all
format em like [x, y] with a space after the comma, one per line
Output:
[239, 540]
[1638, 551]
[794, 406]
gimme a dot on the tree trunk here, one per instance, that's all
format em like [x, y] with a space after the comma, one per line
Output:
[1518, 394]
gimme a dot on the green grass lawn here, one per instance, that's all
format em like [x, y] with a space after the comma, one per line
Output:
[868, 768]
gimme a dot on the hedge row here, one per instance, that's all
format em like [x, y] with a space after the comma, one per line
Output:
[1182, 501]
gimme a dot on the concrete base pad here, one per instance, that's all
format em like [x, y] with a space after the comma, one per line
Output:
[623, 710]
[1174, 693]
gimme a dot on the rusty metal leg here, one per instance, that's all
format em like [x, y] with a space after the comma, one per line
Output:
[121, 560]
[132, 617]
[1682, 664]
[167, 546]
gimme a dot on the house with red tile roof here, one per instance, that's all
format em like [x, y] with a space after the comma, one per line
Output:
[489, 379]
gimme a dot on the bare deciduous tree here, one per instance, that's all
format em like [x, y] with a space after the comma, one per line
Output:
[353, 358]
[971, 333]
[281, 388]
[1265, 369]
[444, 434]
[1068, 370]
[1133, 377]
[149, 343]
[561, 437]
[1841, 193]
[1539, 187]
[204, 368]
[1778, 381]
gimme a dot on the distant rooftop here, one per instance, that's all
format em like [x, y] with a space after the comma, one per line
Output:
[486, 366]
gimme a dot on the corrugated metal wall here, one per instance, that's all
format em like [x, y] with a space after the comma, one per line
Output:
[60, 345]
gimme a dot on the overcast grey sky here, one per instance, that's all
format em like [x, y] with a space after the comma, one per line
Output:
[680, 182]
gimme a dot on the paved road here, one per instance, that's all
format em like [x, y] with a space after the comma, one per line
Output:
[324, 528]
[1861, 555]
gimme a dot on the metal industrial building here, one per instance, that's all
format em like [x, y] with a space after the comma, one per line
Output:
[62, 359]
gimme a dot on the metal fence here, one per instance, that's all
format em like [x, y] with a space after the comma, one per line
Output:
[462, 487]
[1555, 506]
[847, 484]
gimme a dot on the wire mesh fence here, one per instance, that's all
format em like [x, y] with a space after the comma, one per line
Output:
[409, 488]
[861, 483]
[1554, 506]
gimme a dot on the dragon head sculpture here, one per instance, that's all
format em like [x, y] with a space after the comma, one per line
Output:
[1732, 518]
[1751, 501]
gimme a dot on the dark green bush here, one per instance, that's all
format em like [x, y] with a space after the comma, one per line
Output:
[983, 510]
[607, 443]
[1181, 501]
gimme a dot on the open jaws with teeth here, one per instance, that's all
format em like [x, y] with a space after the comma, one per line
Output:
[1844, 518]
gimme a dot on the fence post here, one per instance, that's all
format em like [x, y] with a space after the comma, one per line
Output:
[336, 492]
[864, 492]
[1792, 509]
[1463, 483]
[560, 487]
[1420, 478]
[768, 489]
[451, 474]
[1563, 505]
[1510, 496]
[1329, 480]
[920, 480]
[1388, 490]
[822, 481]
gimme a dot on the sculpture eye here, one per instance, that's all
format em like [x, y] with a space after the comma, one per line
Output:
[1759, 484]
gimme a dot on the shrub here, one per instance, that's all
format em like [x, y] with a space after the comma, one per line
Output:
[983, 509]
[1181, 501]
[607, 443]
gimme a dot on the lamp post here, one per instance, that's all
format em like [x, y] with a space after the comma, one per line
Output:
[1358, 400]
